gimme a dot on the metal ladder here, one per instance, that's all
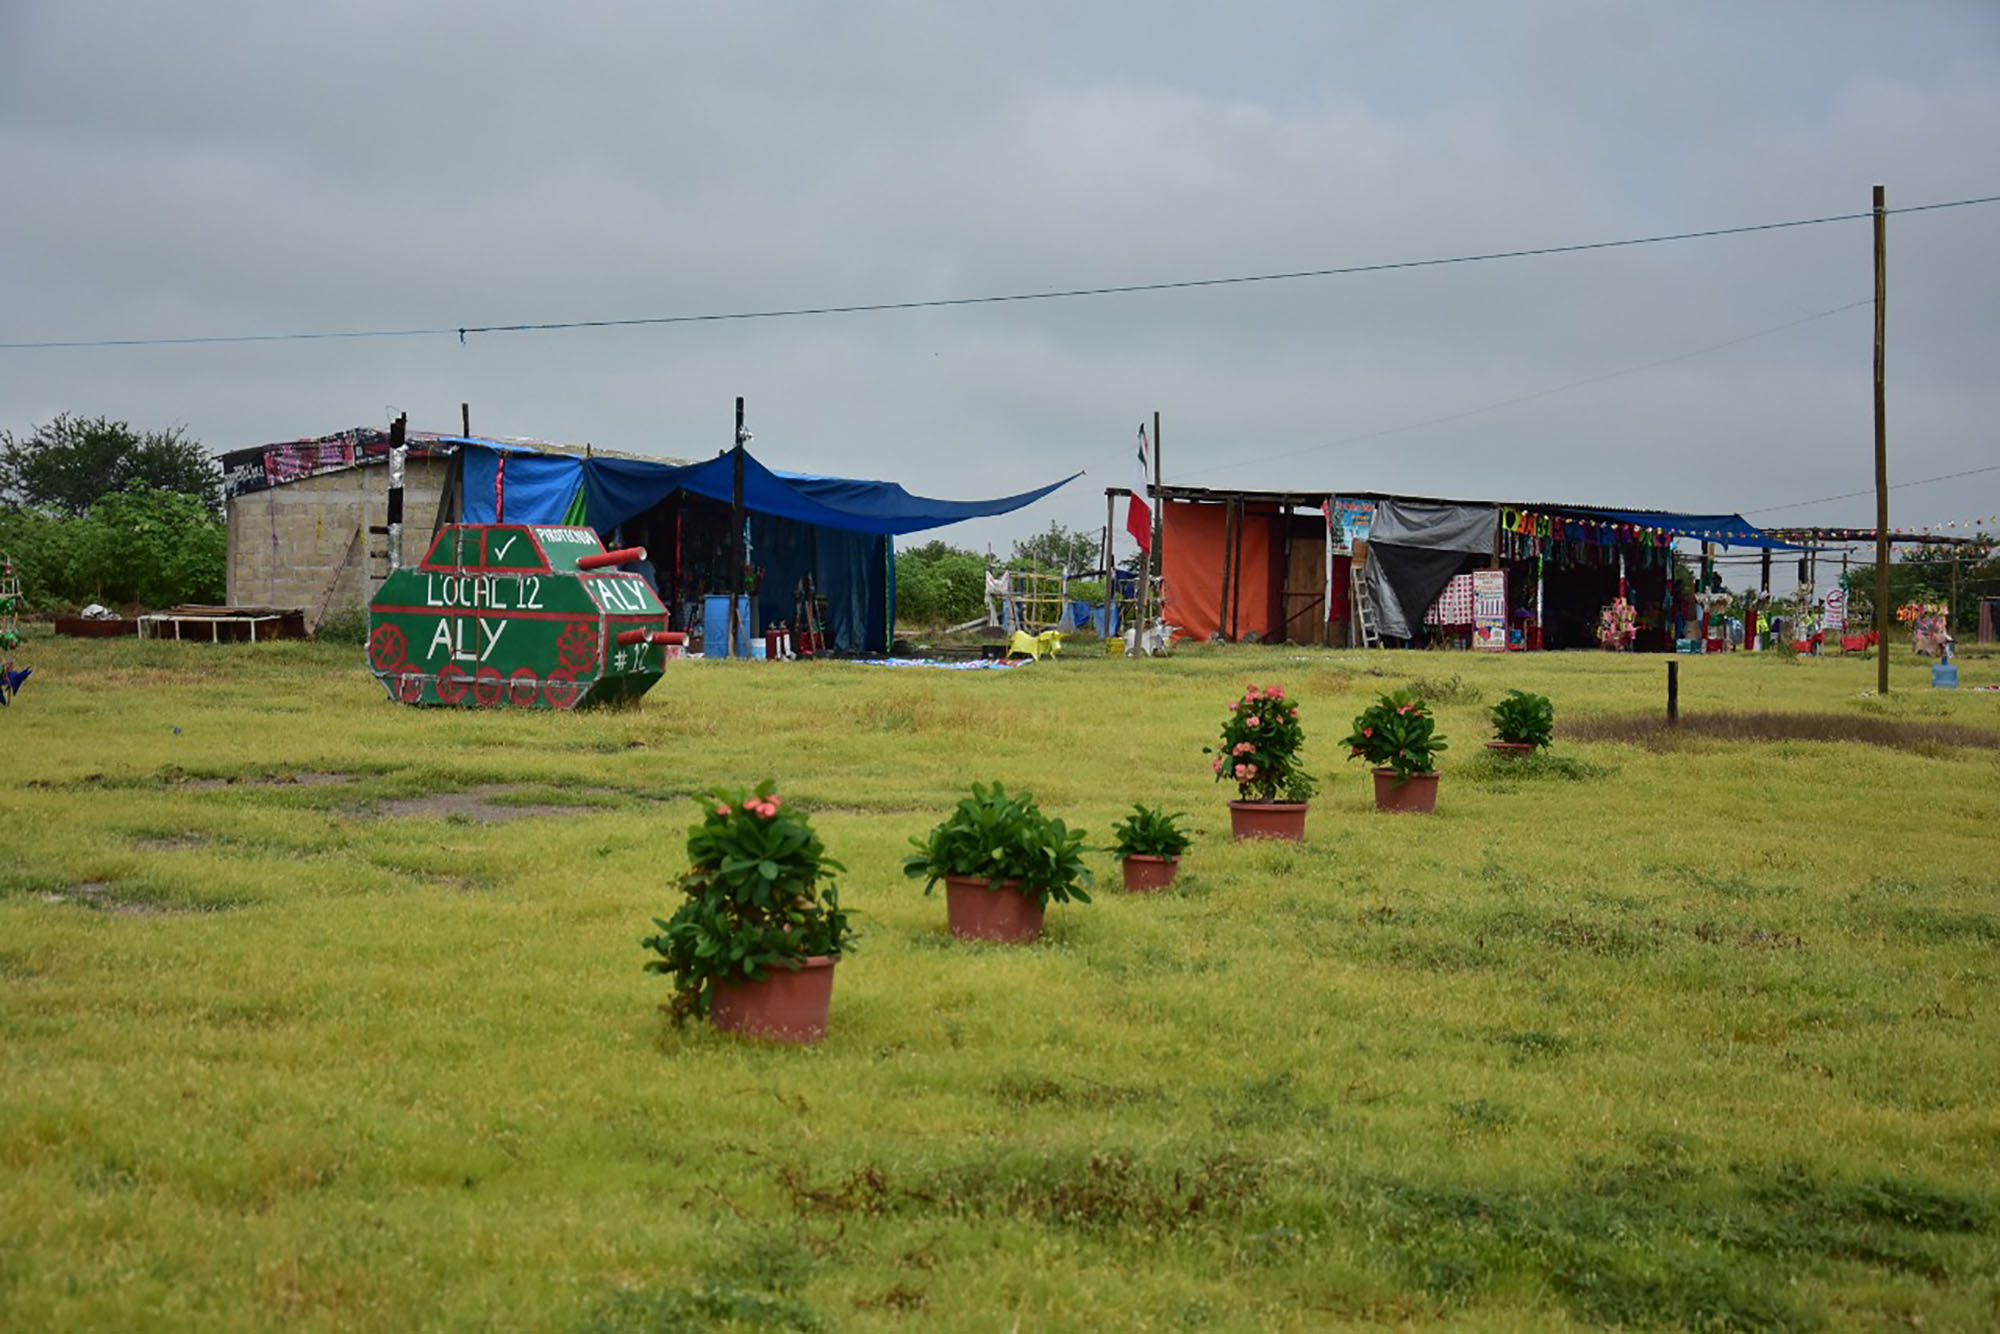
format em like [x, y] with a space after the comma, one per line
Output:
[1364, 608]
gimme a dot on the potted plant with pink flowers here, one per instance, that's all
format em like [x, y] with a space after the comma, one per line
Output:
[754, 943]
[1260, 753]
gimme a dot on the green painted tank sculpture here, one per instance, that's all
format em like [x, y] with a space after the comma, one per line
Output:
[522, 616]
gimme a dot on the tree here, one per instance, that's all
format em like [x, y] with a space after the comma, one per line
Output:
[1059, 551]
[66, 466]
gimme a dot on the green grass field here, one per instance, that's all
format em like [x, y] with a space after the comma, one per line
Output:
[324, 1013]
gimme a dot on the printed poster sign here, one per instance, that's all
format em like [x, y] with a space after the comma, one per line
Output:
[1354, 517]
[1835, 615]
[1489, 610]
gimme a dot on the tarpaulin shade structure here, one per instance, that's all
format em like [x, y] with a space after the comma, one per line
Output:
[837, 530]
[540, 488]
[1731, 530]
[1413, 551]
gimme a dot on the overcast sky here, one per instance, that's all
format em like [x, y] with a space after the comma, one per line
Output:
[228, 169]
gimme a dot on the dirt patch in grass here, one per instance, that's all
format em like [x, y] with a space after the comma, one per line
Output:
[480, 805]
[1653, 731]
[307, 778]
[169, 843]
[100, 896]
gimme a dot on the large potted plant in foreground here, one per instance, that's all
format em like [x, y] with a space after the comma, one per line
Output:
[1261, 741]
[754, 943]
[1398, 737]
[1002, 862]
[1148, 844]
[1521, 723]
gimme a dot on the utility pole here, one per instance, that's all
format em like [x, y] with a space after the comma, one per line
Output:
[1881, 445]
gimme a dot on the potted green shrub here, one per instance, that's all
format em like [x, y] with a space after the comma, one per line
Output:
[1148, 844]
[1260, 753]
[1398, 737]
[1002, 862]
[755, 940]
[1522, 722]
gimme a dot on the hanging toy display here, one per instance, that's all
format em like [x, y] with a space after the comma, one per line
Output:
[1616, 626]
[10, 630]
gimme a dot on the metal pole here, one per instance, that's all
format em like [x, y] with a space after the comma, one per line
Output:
[1881, 445]
[738, 632]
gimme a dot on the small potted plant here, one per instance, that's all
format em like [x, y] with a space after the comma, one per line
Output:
[1398, 737]
[1149, 844]
[1521, 723]
[1002, 862]
[1261, 741]
[754, 943]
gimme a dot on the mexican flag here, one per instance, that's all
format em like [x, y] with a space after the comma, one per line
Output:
[1139, 515]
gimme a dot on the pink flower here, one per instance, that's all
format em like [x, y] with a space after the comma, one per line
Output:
[1217, 766]
[773, 802]
[721, 809]
[1252, 721]
[1243, 748]
[1368, 731]
[1277, 692]
[1251, 692]
[1294, 713]
[1404, 708]
[767, 809]
[1242, 771]
[1249, 771]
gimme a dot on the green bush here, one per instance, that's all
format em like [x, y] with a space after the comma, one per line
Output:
[939, 585]
[152, 548]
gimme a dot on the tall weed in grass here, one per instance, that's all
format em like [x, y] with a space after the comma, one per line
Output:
[323, 1012]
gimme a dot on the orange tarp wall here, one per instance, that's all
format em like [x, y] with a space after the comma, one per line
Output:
[1192, 541]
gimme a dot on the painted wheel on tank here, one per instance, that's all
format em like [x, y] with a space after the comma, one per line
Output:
[452, 684]
[560, 690]
[388, 651]
[488, 686]
[577, 647]
[410, 687]
[522, 687]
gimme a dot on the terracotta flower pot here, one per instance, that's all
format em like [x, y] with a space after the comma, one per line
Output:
[974, 910]
[1144, 872]
[1268, 819]
[1511, 750]
[1415, 795]
[787, 1006]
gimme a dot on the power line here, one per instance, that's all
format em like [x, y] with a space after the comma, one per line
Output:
[1529, 398]
[1797, 504]
[875, 307]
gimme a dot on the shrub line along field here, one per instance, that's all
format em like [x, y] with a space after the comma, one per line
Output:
[321, 1012]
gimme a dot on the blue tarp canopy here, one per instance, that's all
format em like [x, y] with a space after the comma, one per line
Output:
[1731, 530]
[541, 488]
[838, 530]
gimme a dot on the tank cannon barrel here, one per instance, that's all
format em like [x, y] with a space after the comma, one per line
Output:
[598, 560]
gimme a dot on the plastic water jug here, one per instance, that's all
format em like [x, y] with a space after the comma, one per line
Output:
[1944, 675]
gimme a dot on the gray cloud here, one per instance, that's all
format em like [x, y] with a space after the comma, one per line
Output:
[232, 169]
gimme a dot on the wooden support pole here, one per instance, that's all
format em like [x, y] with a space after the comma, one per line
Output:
[1881, 445]
[1156, 559]
[1673, 694]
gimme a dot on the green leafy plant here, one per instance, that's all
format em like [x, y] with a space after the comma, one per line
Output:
[1524, 719]
[1396, 732]
[759, 894]
[1261, 741]
[997, 837]
[1149, 832]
